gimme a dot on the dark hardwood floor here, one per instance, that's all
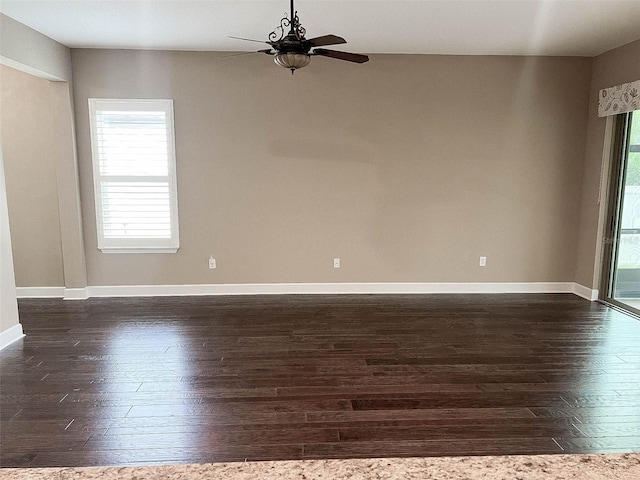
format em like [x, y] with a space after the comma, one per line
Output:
[208, 379]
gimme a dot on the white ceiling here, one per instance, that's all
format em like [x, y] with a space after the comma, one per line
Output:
[475, 27]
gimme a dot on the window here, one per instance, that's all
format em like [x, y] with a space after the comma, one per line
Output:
[134, 174]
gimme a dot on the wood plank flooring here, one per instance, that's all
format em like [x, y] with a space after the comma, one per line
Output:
[207, 379]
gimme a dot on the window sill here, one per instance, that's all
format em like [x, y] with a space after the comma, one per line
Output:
[138, 250]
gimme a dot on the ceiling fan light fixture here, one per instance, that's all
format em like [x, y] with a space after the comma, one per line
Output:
[292, 61]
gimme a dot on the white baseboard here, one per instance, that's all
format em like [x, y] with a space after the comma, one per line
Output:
[39, 292]
[76, 293]
[585, 292]
[11, 335]
[304, 288]
[327, 288]
[53, 292]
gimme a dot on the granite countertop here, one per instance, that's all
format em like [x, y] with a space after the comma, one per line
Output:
[525, 467]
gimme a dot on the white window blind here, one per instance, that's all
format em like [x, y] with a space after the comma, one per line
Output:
[134, 171]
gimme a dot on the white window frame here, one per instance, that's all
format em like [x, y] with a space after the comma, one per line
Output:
[135, 245]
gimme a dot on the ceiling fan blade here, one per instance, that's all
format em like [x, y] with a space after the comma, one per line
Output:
[349, 57]
[324, 40]
[268, 51]
[250, 40]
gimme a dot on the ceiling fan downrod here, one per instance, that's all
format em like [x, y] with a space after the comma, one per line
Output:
[292, 17]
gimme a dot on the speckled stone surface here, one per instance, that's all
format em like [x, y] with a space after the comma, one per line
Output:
[540, 467]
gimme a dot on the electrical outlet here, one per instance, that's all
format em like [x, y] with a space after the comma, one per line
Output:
[483, 261]
[212, 263]
[336, 263]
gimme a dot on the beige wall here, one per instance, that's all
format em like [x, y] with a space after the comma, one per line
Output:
[612, 68]
[30, 171]
[408, 168]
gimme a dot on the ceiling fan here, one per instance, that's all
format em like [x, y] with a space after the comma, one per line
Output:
[293, 51]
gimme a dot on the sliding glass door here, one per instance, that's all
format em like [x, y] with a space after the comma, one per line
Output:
[622, 255]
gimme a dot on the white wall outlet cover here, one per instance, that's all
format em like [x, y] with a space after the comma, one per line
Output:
[336, 263]
[212, 262]
[483, 261]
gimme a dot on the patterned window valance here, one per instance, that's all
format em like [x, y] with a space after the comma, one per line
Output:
[620, 99]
